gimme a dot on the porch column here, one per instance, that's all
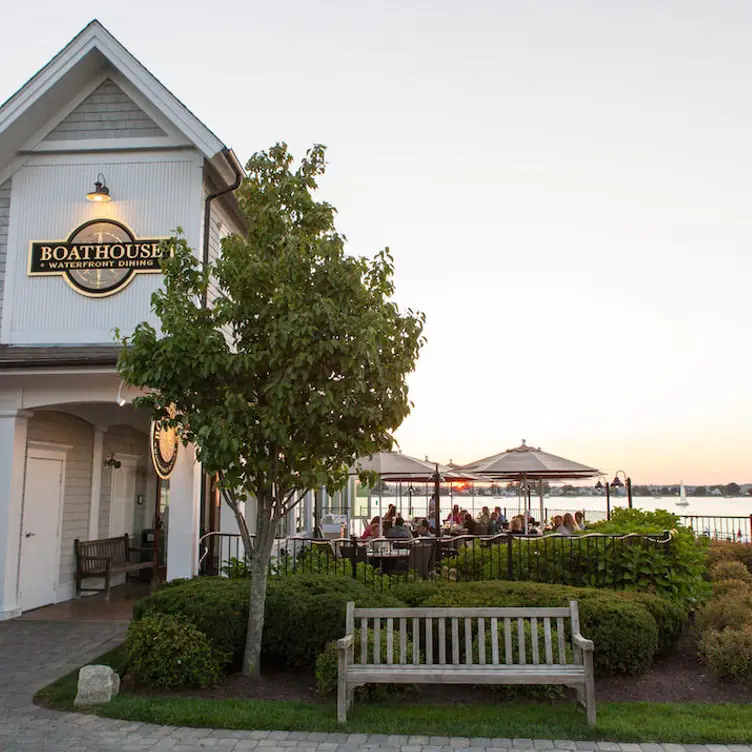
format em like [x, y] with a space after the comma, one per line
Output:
[97, 465]
[184, 515]
[13, 428]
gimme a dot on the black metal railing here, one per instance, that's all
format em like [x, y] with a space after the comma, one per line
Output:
[595, 560]
[720, 527]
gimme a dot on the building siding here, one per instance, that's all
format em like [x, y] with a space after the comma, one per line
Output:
[108, 112]
[4, 222]
[61, 428]
[125, 440]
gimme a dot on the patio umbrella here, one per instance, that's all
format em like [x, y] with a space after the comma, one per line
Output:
[525, 463]
[395, 466]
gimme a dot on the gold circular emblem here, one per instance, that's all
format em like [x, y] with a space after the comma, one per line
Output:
[164, 449]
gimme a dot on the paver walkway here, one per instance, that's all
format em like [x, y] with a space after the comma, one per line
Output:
[34, 652]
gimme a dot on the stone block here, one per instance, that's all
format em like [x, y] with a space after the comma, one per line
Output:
[96, 685]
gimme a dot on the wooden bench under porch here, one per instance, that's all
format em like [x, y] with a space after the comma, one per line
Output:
[464, 646]
[107, 557]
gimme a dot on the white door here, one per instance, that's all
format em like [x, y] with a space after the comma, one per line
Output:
[123, 500]
[40, 548]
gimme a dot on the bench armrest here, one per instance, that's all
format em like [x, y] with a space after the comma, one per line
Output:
[582, 643]
[141, 548]
[345, 642]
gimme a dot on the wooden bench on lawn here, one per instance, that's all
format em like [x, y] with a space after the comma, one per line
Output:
[104, 558]
[464, 646]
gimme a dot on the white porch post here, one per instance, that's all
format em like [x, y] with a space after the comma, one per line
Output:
[13, 428]
[184, 516]
[96, 481]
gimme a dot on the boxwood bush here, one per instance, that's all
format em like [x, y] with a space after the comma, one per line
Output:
[303, 613]
[163, 650]
[730, 551]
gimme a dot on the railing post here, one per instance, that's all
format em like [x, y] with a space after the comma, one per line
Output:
[750, 528]
[510, 562]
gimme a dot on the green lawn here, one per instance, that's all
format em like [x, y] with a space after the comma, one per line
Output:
[688, 723]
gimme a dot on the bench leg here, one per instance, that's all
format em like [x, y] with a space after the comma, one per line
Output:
[78, 585]
[107, 584]
[589, 689]
[342, 699]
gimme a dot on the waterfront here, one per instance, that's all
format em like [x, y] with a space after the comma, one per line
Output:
[594, 506]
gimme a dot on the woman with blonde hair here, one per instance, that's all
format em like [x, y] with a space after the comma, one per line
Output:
[568, 525]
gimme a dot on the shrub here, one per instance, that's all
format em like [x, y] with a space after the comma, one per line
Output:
[729, 652]
[624, 633]
[216, 606]
[168, 651]
[669, 617]
[732, 611]
[673, 569]
[730, 551]
[327, 669]
[731, 587]
[729, 569]
[302, 613]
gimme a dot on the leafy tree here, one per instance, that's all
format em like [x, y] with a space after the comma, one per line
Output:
[732, 489]
[701, 491]
[296, 367]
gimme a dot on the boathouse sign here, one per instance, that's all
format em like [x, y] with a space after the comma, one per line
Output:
[99, 258]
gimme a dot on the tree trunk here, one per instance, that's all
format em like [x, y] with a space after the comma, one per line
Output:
[259, 565]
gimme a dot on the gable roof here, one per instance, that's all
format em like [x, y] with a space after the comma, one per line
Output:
[84, 57]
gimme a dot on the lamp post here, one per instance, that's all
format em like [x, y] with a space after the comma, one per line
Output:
[600, 486]
[436, 479]
[627, 483]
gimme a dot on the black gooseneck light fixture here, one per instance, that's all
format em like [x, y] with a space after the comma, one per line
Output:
[101, 192]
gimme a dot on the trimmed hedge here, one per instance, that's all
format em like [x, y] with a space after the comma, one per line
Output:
[729, 652]
[302, 613]
[730, 551]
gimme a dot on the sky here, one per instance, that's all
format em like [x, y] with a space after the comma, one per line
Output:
[565, 188]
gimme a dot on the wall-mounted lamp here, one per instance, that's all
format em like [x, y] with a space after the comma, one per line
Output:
[101, 192]
[112, 463]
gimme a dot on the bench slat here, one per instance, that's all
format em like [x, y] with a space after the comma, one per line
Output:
[495, 640]
[455, 640]
[389, 641]
[468, 642]
[377, 641]
[521, 641]
[364, 641]
[534, 637]
[442, 642]
[429, 640]
[462, 612]
[560, 636]
[508, 639]
[403, 641]
[416, 641]
[547, 639]
[482, 641]
[570, 674]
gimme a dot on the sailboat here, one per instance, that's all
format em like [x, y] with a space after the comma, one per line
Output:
[682, 496]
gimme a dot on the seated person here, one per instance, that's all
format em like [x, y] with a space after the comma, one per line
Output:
[455, 517]
[372, 531]
[579, 518]
[500, 516]
[398, 530]
[517, 526]
[424, 530]
[494, 526]
[567, 526]
[484, 516]
[469, 523]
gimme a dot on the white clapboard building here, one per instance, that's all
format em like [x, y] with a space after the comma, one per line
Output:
[98, 162]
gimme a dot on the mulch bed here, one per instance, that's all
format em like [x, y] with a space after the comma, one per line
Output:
[679, 677]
